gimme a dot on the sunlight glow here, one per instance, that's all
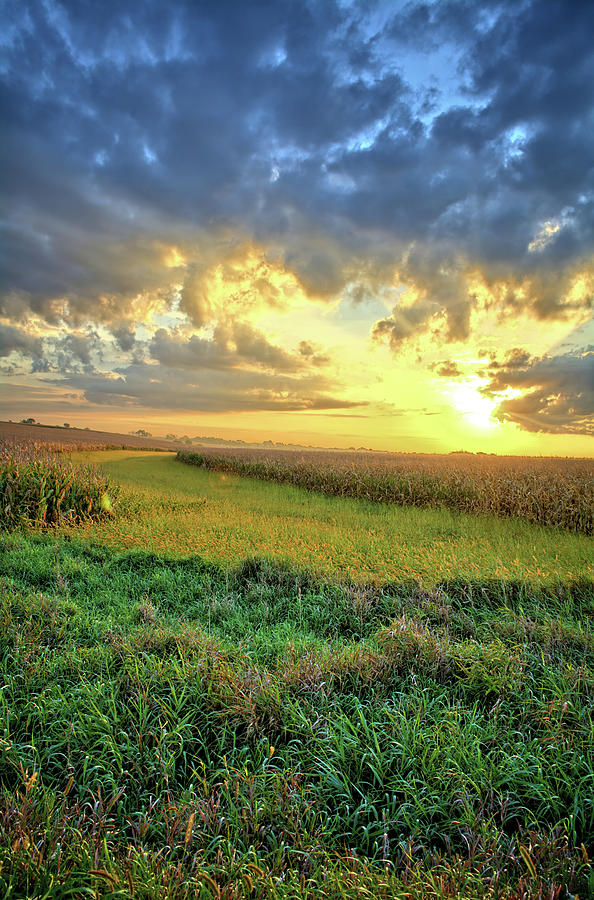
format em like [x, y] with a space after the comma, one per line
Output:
[544, 236]
[247, 283]
[471, 405]
[174, 258]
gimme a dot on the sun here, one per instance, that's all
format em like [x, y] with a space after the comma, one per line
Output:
[474, 408]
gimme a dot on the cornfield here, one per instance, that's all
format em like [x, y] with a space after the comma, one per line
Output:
[558, 492]
[38, 487]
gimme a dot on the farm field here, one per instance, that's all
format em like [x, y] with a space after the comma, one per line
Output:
[545, 491]
[69, 439]
[181, 509]
[233, 688]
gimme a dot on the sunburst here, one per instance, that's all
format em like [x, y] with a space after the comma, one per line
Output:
[472, 406]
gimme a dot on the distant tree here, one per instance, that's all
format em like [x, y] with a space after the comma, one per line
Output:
[170, 437]
[142, 433]
[28, 422]
[66, 425]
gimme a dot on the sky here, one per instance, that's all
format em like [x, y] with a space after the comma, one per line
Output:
[327, 222]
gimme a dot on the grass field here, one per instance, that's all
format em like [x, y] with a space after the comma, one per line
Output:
[239, 689]
[178, 509]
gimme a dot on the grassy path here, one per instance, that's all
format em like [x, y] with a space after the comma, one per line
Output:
[180, 510]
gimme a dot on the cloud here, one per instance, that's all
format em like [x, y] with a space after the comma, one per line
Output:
[446, 290]
[234, 345]
[403, 324]
[77, 347]
[228, 390]
[125, 338]
[516, 359]
[557, 391]
[233, 276]
[313, 353]
[15, 339]
[448, 369]
[302, 133]
[194, 300]
[193, 353]
[237, 368]
[253, 347]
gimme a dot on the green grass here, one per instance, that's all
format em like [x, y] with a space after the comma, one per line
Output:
[300, 722]
[179, 509]
[195, 723]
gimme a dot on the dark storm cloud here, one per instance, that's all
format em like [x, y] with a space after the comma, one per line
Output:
[516, 155]
[299, 127]
[558, 391]
[120, 121]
